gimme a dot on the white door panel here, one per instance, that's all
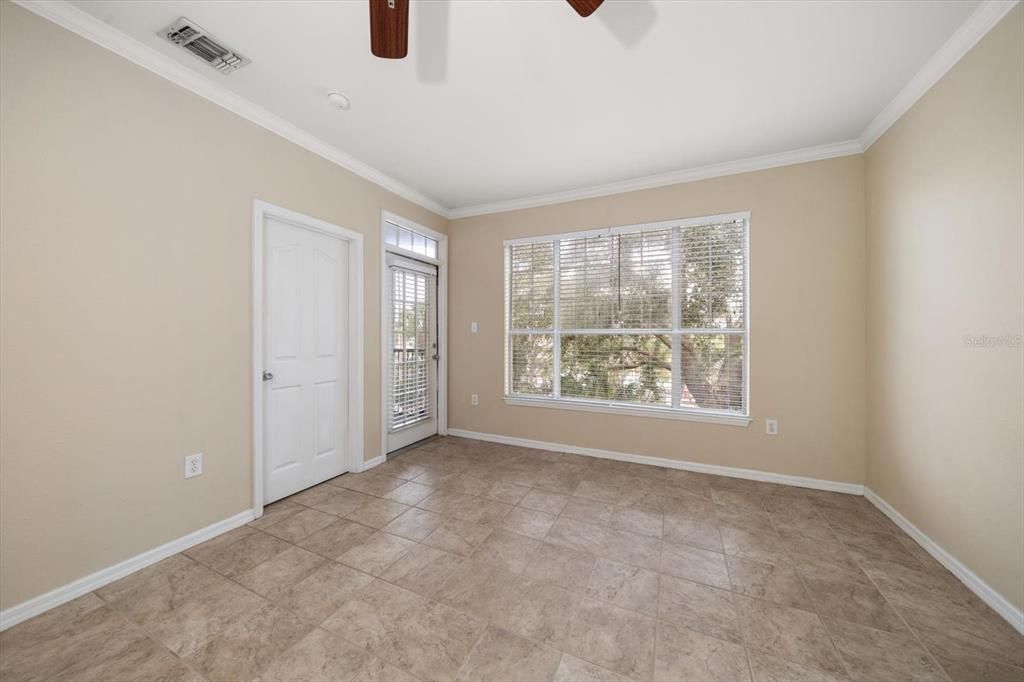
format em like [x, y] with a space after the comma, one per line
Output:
[306, 354]
[413, 352]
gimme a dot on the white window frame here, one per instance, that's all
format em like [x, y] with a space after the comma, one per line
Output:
[441, 262]
[678, 412]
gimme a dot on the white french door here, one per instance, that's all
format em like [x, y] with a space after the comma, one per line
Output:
[305, 358]
[412, 352]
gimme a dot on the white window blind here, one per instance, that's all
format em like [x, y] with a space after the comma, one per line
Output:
[412, 307]
[650, 316]
[531, 313]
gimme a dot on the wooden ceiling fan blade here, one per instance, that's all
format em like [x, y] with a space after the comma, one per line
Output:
[585, 8]
[389, 28]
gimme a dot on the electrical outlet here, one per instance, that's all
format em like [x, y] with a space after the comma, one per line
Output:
[474, 399]
[472, 327]
[771, 427]
[193, 465]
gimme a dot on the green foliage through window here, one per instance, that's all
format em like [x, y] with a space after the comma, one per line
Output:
[628, 306]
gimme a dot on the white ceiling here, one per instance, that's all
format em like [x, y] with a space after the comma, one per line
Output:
[504, 100]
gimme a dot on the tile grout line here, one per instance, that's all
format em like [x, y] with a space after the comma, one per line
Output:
[732, 593]
[739, 624]
[469, 654]
[496, 525]
[657, 604]
[575, 615]
[901, 536]
[910, 629]
[319, 626]
[888, 602]
[488, 622]
[146, 633]
[658, 619]
[584, 595]
[800, 577]
[813, 603]
[231, 580]
[603, 527]
[329, 560]
[899, 614]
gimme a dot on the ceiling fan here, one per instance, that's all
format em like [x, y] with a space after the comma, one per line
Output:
[389, 25]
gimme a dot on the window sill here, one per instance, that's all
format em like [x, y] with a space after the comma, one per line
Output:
[655, 412]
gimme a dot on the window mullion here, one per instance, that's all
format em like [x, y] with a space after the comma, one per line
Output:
[508, 320]
[710, 286]
[677, 353]
[556, 344]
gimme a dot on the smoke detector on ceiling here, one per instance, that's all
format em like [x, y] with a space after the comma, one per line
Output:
[189, 36]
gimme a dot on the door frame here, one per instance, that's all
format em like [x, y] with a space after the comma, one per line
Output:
[261, 211]
[441, 262]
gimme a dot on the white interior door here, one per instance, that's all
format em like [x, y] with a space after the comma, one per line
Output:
[306, 373]
[413, 353]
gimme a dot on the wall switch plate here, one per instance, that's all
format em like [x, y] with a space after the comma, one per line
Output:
[472, 328]
[193, 465]
[771, 427]
[474, 399]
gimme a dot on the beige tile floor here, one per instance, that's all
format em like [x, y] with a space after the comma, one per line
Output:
[461, 560]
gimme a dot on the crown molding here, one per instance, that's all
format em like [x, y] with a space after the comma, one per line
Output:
[978, 24]
[756, 163]
[981, 21]
[108, 37]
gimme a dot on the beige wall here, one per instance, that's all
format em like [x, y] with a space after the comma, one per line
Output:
[945, 221]
[124, 301]
[807, 360]
[125, 219]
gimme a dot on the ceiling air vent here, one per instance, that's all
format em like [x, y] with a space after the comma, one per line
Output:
[187, 35]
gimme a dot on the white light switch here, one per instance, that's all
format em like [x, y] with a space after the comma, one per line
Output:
[193, 465]
[472, 327]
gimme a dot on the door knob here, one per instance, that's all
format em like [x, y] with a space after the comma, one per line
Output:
[267, 376]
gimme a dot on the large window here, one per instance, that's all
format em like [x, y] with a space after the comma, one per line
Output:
[649, 319]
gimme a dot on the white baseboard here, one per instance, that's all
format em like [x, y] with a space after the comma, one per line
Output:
[45, 602]
[370, 463]
[734, 472]
[1000, 604]
[985, 592]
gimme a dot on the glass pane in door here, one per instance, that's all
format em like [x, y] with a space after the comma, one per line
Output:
[413, 348]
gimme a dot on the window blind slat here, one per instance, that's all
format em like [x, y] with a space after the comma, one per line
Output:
[531, 364]
[645, 317]
[616, 281]
[409, 395]
[531, 286]
[711, 275]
